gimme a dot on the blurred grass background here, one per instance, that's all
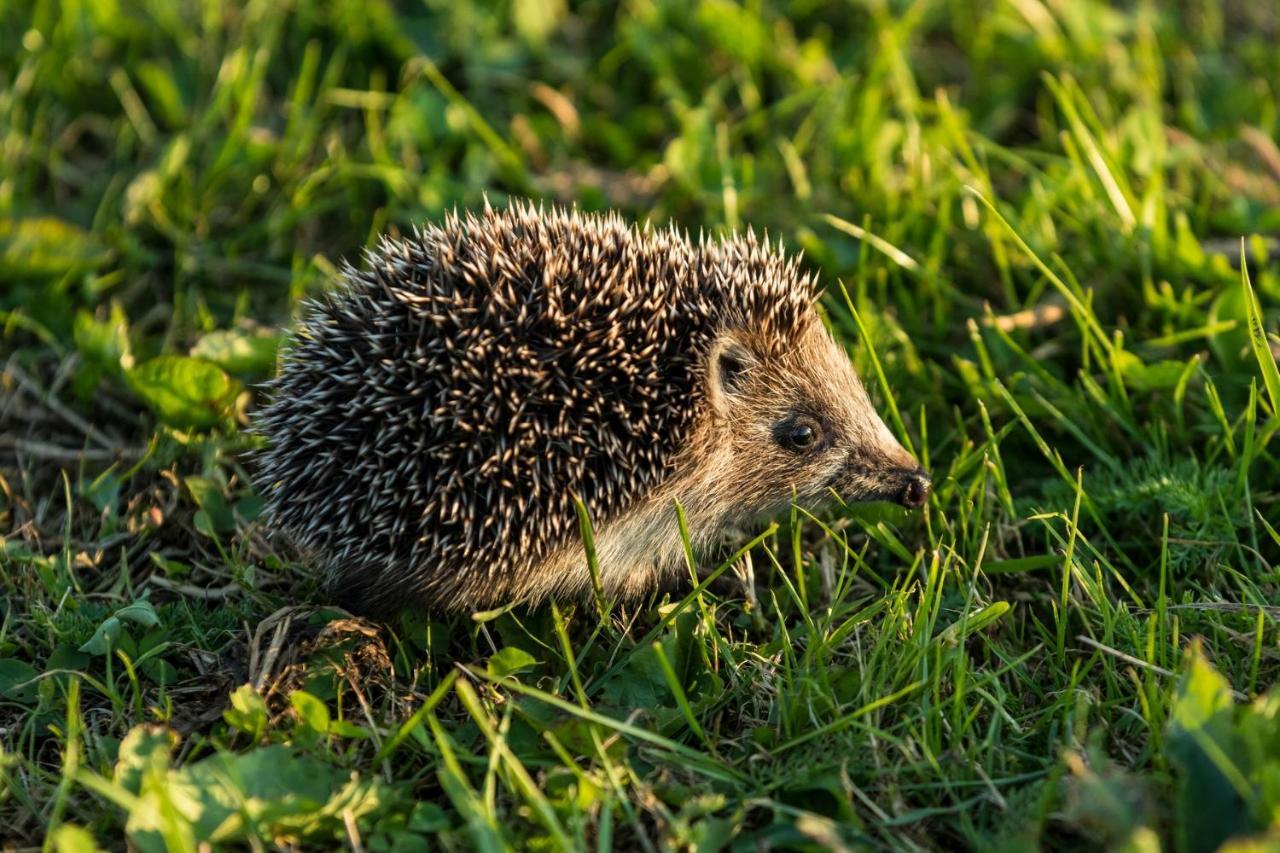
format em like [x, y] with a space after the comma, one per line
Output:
[1057, 222]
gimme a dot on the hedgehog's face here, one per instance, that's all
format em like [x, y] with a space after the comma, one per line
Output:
[799, 423]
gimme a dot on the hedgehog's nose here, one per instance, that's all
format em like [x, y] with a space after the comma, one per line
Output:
[916, 491]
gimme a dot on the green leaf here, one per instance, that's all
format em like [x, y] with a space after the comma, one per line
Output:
[218, 517]
[184, 392]
[228, 798]
[105, 638]
[428, 818]
[537, 19]
[348, 729]
[510, 660]
[45, 247]
[250, 507]
[312, 713]
[1203, 696]
[69, 838]
[1157, 376]
[238, 351]
[818, 790]
[66, 656]
[172, 568]
[104, 343]
[1205, 748]
[1258, 337]
[139, 613]
[640, 684]
[145, 749]
[248, 712]
[17, 681]
[1230, 345]
[290, 793]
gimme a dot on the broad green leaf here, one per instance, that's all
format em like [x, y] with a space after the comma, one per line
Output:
[184, 392]
[537, 19]
[1231, 345]
[428, 818]
[105, 638]
[139, 613]
[737, 28]
[1156, 376]
[17, 681]
[207, 494]
[348, 729]
[66, 656]
[69, 838]
[229, 798]
[640, 684]
[312, 713]
[817, 789]
[144, 750]
[289, 793]
[1203, 696]
[510, 660]
[1207, 751]
[237, 351]
[248, 711]
[250, 507]
[45, 247]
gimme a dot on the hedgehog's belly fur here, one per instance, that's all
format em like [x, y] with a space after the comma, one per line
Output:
[642, 549]
[634, 553]
[637, 551]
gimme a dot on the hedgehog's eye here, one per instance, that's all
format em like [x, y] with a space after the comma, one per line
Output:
[798, 434]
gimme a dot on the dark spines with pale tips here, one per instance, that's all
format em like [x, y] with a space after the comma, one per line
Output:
[433, 420]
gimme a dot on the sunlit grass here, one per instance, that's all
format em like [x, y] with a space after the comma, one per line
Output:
[1028, 217]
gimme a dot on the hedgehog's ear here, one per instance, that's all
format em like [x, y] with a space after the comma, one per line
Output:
[727, 369]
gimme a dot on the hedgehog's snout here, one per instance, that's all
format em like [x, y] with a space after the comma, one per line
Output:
[907, 484]
[916, 490]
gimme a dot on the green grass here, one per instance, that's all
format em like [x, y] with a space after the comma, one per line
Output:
[1030, 211]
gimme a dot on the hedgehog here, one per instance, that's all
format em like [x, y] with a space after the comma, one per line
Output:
[438, 417]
